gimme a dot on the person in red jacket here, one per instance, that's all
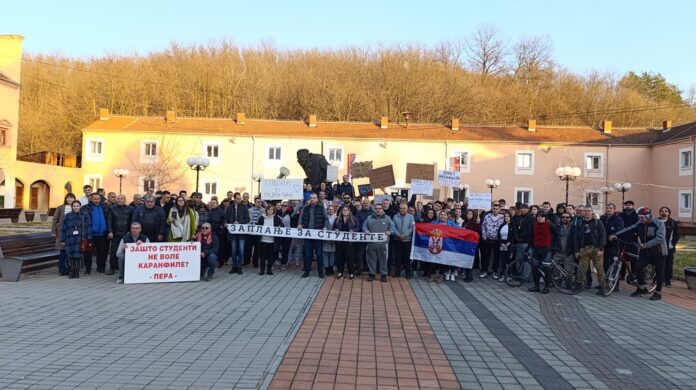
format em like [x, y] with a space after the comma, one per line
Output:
[544, 242]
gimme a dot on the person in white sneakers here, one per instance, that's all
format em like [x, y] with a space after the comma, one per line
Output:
[489, 240]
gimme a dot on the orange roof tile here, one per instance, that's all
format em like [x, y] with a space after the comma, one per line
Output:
[354, 130]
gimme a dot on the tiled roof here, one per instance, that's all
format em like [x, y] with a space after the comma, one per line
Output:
[677, 133]
[297, 129]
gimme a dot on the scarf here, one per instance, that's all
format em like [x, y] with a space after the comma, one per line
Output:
[200, 237]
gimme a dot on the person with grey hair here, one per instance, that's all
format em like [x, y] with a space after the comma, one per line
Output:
[134, 237]
[151, 219]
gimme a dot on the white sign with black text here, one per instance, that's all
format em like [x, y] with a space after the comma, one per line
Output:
[162, 262]
[480, 201]
[280, 189]
[421, 187]
[449, 178]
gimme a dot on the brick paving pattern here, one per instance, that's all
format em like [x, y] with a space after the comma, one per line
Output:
[92, 333]
[365, 335]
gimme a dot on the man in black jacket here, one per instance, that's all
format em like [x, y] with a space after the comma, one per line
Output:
[313, 217]
[523, 228]
[237, 212]
[151, 219]
[671, 237]
[119, 222]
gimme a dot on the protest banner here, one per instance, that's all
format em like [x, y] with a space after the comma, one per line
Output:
[421, 187]
[361, 169]
[449, 178]
[419, 171]
[365, 190]
[382, 177]
[162, 262]
[310, 234]
[444, 244]
[279, 189]
[331, 173]
[480, 201]
[380, 198]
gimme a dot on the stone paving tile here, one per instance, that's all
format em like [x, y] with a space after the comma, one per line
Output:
[365, 335]
[93, 333]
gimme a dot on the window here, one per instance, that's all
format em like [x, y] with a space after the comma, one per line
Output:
[685, 203]
[594, 164]
[594, 199]
[148, 150]
[464, 160]
[686, 161]
[524, 162]
[211, 150]
[335, 155]
[94, 181]
[210, 188]
[94, 149]
[524, 195]
[274, 153]
[3, 137]
[148, 184]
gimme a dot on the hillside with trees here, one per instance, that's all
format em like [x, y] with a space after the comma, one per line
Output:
[482, 79]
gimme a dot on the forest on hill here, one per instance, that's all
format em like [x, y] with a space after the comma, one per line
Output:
[481, 78]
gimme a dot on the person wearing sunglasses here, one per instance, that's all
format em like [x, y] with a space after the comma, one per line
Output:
[210, 245]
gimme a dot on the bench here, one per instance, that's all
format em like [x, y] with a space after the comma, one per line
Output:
[12, 214]
[26, 252]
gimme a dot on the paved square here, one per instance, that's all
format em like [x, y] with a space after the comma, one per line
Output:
[92, 333]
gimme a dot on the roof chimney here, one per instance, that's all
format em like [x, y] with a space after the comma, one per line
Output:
[170, 117]
[666, 124]
[104, 114]
[606, 127]
[384, 122]
[312, 121]
[531, 125]
[455, 124]
[240, 118]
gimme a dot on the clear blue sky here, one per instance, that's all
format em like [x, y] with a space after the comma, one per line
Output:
[589, 35]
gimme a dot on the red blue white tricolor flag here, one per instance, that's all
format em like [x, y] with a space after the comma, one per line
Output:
[444, 245]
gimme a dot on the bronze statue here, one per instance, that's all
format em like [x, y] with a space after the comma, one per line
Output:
[314, 166]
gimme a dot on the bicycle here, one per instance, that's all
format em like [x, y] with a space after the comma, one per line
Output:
[564, 276]
[613, 274]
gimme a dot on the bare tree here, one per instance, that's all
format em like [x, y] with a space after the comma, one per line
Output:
[166, 169]
[486, 51]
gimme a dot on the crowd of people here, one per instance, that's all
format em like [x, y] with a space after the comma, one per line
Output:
[97, 226]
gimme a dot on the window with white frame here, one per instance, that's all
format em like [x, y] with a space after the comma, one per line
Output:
[274, 153]
[686, 161]
[148, 184]
[94, 149]
[594, 164]
[524, 195]
[464, 160]
[211, 150]
[93, 180]
[524, 162]
[594, 199]
[210, 188]
[334, 155]
[686, 200]
[149, 150]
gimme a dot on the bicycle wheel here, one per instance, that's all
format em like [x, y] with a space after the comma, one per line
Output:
[516, 271]
[650, 278]
[612, 277]
[564, 277]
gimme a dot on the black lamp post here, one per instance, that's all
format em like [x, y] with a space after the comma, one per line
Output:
[120, 173]
[568, 174]
[198, 164]
[622, 188]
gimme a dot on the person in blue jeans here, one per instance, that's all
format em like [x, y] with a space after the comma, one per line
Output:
[313, 217]
[237, 212]
[56, 226]
[210, 245]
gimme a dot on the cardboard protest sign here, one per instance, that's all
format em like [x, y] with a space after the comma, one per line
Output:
[382, 177]
[331, 173]
[421, 187]
[419, 171]
[361, 169]
[162, 262]
[480, 200]
[365, 190]
[449, 178]
[279, 189]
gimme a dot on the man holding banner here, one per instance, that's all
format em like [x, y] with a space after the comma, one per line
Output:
[378, 222]
[313, 217]
[403, 235]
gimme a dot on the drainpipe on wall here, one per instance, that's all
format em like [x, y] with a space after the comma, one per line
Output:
[445, 166]
[606, 176]
[253, 152]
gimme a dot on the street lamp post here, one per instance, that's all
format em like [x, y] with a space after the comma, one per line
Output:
[568, 174]
[257, 177]
[492, 183]
[198, 164]
[622, 188]
[120, 173]
[606, 191]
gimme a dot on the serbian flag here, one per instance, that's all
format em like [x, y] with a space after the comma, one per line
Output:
[444, 245]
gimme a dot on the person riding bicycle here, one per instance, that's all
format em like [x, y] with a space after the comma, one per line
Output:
[544, 242]
[652, 249]
[590, 239]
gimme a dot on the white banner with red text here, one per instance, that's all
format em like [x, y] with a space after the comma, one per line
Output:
[162, 262]
[307, 234]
